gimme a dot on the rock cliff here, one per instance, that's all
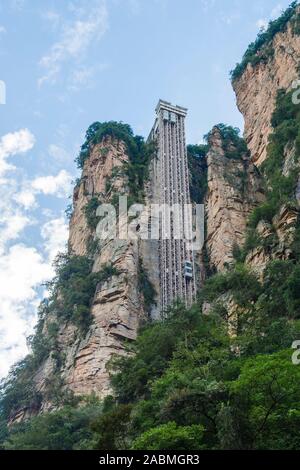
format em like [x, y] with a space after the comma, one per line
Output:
[117, 307]
[234, 189]
[256, 89]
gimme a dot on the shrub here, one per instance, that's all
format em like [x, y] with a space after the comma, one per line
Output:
[234, 146]
[146, 287]
[66, 429]
[170, 437]
[90, 212]
[198, 172]
[240, 282]
[112, 428]
[280, 189]
[139, 152]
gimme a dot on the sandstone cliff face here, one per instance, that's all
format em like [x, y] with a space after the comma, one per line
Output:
[117, 308]
[257, 88]
[283, 227]
[234, 188]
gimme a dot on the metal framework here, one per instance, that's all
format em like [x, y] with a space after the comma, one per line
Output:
[171, 180]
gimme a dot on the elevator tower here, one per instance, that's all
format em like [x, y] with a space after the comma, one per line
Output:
[171, 182]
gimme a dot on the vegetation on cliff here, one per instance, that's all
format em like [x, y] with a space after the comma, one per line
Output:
[146, 287]
[190, 386]
[139, 152]
[280, 186]
[261, 49]
[234, 146]
[198, 172]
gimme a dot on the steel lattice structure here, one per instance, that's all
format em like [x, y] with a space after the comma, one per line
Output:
[171, 180]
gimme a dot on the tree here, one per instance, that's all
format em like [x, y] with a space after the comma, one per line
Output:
[170, 437]
[66, 429]
[267, 397]
[112, 428]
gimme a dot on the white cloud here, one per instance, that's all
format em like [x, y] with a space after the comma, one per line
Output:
[59, 185]
[55, 234]
[75, 40]
[26, 198]
[12, 220]
[22, 269]
[12, 144]
[58, 153]
[13, 224]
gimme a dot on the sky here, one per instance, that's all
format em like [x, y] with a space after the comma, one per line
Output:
[66, 64]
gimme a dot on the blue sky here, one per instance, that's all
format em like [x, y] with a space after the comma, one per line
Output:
[68, 63]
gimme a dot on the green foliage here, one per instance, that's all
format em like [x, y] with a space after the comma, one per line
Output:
[66, 429]
[170, 437]
[195, 382]
[139, 152]
[112, 428]
[138, 167]
[146, 287]
[190, 386]
[92, 246]
[17, 390]
[153, 349]
[198, 172]
[281, 289]
[234, 146]
[260, 50]
[267, 395]
[265, 212]
[296, 242]
[295, 22]
[90, 212]
[240, 282]
[99, 131]
[73, 288]
[280, 189]
[277, 295]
